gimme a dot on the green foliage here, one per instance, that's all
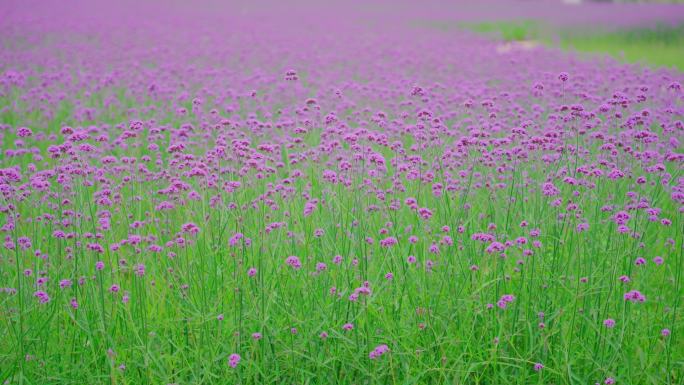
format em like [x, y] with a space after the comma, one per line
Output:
[508, 30]
[659, 46]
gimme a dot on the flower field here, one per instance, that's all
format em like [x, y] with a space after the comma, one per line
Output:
[330, 194]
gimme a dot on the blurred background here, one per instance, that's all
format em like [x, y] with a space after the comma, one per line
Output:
[646, 32]
[643, 32]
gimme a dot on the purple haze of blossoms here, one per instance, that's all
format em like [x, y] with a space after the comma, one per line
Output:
[171, 173]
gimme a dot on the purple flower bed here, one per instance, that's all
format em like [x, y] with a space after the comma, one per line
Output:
[313, 193]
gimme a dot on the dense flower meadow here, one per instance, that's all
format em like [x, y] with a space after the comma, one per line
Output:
[238, 195]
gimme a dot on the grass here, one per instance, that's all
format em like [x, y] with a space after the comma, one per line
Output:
[168, 334]
[659, 46]
[508, 30]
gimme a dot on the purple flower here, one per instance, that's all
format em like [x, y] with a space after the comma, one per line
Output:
[24, 132]
[235, 239]
[294, 262]
[388, 242]
[378, 351]
[42, 296]
[234, 360]
[505, 300]
[190, 228]
[634, 296]
[140, 270]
